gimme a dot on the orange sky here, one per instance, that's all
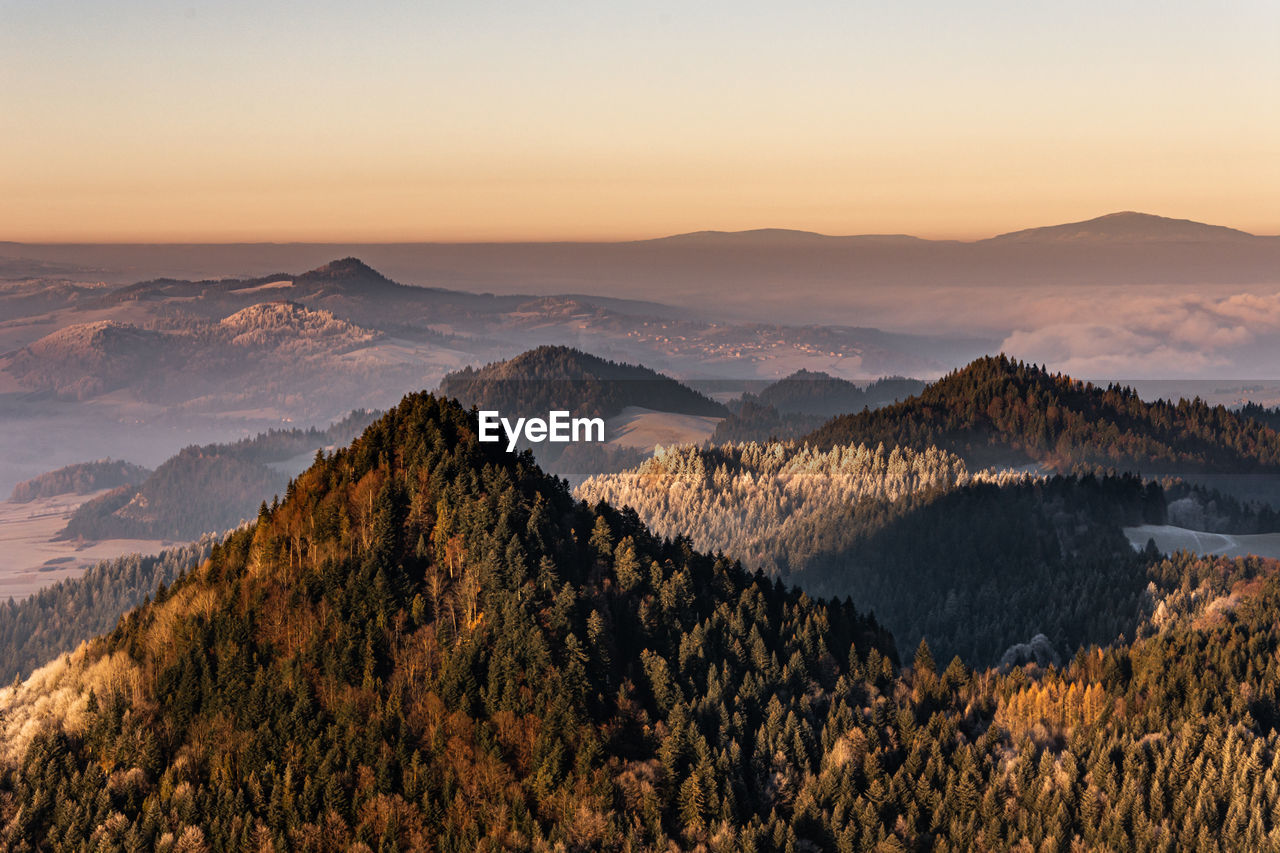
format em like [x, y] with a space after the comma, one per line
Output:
[251, 121]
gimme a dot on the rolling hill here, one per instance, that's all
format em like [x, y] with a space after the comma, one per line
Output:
[1129, 227]
[808, 392]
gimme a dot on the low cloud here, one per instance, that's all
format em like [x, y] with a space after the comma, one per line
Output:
[1146, 334]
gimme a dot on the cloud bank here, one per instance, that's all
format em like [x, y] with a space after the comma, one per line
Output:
[1151, 333]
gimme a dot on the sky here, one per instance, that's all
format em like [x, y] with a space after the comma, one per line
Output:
[171, 121]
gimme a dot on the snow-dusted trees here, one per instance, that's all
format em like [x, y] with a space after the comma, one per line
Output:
[975, 562]
[750, 499]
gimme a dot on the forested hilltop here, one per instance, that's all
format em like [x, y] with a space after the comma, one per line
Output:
[557, 377]
[997, 410]
[808, 392]
[800, 403]
[80, 479]
[429, 645]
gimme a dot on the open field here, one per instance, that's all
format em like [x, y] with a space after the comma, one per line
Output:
[1169, 539]
[1254, 488]
[30, 558]
[645, 428]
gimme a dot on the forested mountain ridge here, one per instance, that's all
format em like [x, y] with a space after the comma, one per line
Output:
[1000, 410]
[559, 377]
[426, 615]
[429, 645]
[755, 495]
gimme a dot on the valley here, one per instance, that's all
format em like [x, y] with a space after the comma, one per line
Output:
[33, 556]
[1169, 539]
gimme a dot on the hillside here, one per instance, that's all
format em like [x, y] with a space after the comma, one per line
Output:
[288, 324]
[1000, 411]
[206, 489]
[81, 479]
[183, 362]
[430, 645]
[87, 359]
[199, 490]
[60, 617]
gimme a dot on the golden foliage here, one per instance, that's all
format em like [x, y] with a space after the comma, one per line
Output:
[1056, 706]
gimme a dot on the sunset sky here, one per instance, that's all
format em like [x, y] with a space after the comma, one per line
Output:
[176, 121]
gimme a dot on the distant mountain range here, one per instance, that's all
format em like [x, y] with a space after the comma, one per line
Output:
[1131, 227]
[1124, 226]
[343, 322]
[789, 276]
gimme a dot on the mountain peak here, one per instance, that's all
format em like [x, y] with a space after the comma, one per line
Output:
[345, 268]
[1127, 226]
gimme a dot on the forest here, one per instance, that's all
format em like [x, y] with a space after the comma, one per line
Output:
[429, 644]
[58, 618]
[975, 564]
[1262, 414]
[1000, 411]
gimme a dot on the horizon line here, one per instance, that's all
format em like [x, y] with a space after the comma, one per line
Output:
[621, 240]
